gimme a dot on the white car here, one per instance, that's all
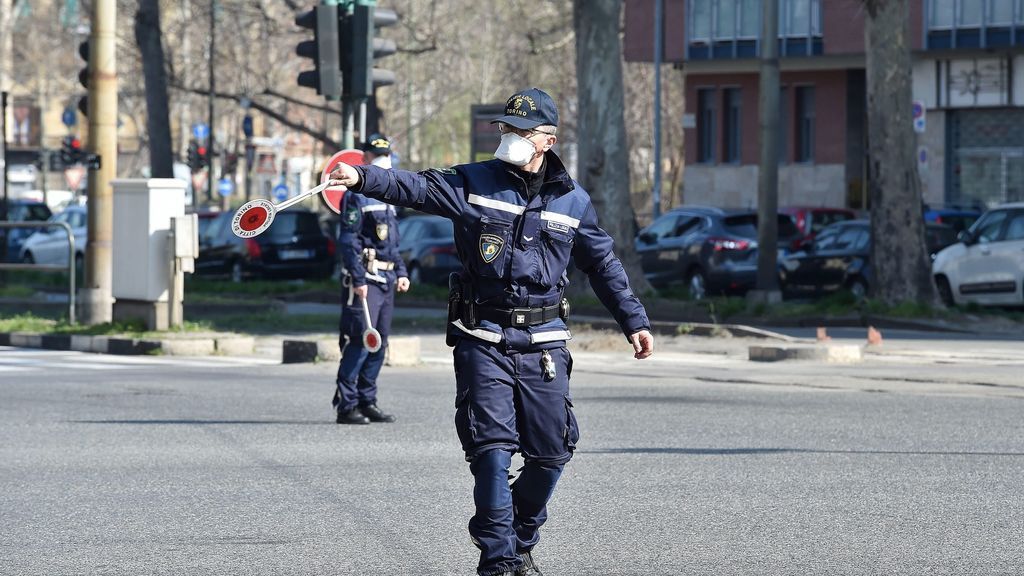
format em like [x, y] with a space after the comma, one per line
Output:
[987, 265]
[50, 246]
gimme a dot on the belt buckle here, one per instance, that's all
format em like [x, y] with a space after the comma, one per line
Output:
[520, 317]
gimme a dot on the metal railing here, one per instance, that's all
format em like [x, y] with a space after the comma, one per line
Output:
[70, 268]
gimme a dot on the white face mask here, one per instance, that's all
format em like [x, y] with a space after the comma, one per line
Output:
[382, 161]
[515, 149]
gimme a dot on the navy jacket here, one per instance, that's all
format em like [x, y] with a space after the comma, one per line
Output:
[368, 223]
[514, 251]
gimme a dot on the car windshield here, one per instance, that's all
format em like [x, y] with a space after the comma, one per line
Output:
[30, 213]
[820, 220]
[745, 226]
[293, 224]
[441, 229]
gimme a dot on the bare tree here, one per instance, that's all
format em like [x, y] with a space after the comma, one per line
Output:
[601, 130]
[899, 255]
[149, 38]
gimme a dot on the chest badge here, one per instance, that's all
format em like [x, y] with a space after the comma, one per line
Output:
[382, 231]
[490, 247]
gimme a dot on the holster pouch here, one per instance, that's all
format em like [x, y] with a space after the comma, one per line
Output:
[454, 306]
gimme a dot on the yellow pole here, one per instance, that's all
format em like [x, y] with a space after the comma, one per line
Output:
[97, 300]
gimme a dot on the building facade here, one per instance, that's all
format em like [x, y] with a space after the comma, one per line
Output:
[968, 80]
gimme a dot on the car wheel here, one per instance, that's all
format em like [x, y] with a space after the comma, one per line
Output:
[236, 271]
[697, 284]
[945, 292]
[859, 289]
[28, 258]
[415, 274]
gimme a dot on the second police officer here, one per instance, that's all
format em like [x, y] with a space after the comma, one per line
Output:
[368, 243]
[518, 220]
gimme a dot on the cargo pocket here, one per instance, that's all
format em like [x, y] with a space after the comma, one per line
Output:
[465, 424]
[557, 247]
[493, 248]
[572, 429]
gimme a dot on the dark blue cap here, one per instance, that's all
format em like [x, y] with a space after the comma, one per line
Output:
[377, 144]
[529, 109]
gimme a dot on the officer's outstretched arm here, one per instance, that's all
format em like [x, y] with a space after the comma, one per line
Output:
[437, 192]
[592, 253]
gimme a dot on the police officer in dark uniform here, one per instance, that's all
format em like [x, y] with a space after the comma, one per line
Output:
[518, 220]
[368, 243]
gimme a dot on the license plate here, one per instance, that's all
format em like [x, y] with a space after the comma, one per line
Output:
[295, 254]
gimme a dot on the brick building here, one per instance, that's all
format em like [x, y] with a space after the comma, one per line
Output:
[968, 77]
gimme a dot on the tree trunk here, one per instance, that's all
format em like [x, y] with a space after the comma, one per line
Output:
[158, 124]
[601, 129]
[898, 254]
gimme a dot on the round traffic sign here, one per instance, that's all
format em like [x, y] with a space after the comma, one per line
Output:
[253, 218]
[280, 192]
[332, 195]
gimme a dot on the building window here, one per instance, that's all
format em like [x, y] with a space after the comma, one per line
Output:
[730, 28]
[804, 123]
[946, 14]
[799, 18]
[732, 124]
[706, 127]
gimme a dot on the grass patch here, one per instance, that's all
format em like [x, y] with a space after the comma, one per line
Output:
[225, 288]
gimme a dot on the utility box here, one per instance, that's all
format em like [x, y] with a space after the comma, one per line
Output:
[143, 214]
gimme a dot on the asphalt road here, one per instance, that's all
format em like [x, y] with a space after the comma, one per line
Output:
[688, 464]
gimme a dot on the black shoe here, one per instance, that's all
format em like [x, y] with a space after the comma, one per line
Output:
[528, 568]
[376, 414]
[353, 416]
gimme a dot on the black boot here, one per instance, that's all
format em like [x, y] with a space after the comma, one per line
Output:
[528, 568]
[353, 416]
[376, 414]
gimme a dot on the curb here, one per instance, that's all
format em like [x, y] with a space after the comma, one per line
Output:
[689, 328]
[832, 354]
[401, 351]
[229, 345]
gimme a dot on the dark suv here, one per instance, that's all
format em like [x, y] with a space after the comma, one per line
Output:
[711, 250]
[293, 247]
[22, 211]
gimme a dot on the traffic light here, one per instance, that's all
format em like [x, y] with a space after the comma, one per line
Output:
[230, 163]
[83, 77]
[323, 50]
[366, 49]
[193, 157]
[71, 152]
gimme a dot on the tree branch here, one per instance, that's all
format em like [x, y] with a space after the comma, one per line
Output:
[270, 112]
[294, 100]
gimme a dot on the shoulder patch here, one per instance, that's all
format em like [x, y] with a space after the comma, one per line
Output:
[351, 215]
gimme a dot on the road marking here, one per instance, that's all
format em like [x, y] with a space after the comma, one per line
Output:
[27, 360]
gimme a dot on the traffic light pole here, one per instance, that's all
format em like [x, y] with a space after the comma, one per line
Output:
[97, 299]
[768, 178]
[210, 100]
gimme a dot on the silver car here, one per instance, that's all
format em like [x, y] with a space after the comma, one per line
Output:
[50, 246]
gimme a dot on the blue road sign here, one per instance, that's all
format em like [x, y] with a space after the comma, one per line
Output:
[200, 131]
[280, 193]
[225, 187]
[69, 117]
[247, 126]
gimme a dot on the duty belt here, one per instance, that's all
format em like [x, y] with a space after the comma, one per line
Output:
[518, 317]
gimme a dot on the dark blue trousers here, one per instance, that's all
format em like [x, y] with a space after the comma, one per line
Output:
[359, 368]
[504, 404]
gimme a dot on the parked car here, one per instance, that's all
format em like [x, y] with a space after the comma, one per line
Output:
[987, 265]
[810, 220]
[840, 259]
[22, 211]
[712, 251]
[293, 247]
[960, 218]
[50, 246]
[427, 245]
